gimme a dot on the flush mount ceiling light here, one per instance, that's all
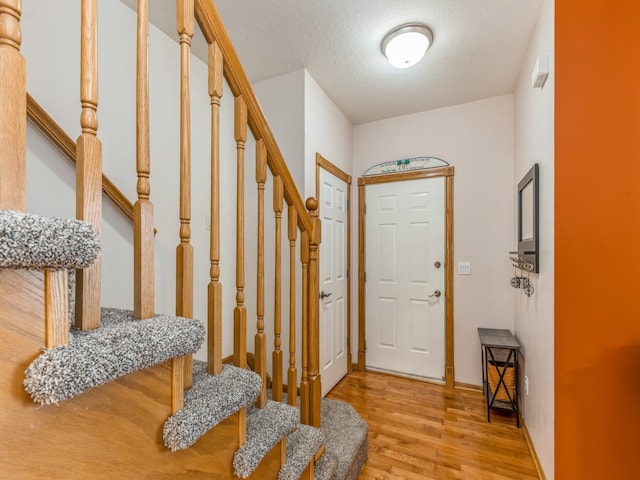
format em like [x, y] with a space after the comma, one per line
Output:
[405, 45]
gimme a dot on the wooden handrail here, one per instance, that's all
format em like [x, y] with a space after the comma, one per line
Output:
[214, 31]
[54, 132]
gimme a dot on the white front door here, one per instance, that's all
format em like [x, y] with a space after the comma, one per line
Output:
[333, 280]
[405, 277]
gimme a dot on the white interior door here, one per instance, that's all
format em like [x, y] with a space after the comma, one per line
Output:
[405, 277]
[333, 280]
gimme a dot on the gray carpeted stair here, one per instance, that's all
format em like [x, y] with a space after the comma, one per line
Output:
[326, 467]
[302, 446]
[120, 346]
[265, 428]
[210, 400]
[345, 437]
[32, 241]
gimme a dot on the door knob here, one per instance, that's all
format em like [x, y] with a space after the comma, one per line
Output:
[324, 295]
[437, 293]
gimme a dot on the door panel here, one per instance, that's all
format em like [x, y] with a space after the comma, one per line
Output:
[333, 280]
[404, 240]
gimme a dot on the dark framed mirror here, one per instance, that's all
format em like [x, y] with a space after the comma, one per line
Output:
[528, 219]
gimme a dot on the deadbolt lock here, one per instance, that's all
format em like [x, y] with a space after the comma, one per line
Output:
[437, 264]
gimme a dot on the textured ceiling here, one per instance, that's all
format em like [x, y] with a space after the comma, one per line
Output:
[476, 53]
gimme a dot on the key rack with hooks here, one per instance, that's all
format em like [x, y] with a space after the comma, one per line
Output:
[520, 281]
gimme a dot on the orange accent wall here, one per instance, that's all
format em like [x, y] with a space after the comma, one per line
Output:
[597, 239]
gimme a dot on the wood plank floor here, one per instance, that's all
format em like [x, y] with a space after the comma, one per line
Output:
[417, 430]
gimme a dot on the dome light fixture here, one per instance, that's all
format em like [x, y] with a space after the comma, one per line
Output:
[404, 46]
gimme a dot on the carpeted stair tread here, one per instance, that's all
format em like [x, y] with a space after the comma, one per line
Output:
[326, 467]
[345, 437]
[32, 241]
[302, 446]
[265, 428]
[210, 400]
[120, 346]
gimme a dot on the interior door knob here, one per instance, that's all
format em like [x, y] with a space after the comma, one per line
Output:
[324, 295]
[437, 293]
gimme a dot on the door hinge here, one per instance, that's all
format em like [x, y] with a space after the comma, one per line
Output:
[365, 208]
[365, 276]
[347, 273]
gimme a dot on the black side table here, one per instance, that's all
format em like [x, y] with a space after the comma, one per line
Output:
[499, 350]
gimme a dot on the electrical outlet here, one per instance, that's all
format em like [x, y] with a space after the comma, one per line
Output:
[464, 268]
[526, 385]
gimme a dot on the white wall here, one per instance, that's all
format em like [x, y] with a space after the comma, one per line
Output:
[327, 132]
[534, 316]
[477, 139]
[305, 121]
[282, 101]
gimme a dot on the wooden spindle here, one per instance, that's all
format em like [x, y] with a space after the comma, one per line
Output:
[13, 110]
[143, 244]
[304, 381]
[177, 384]
[292, 373]
[56, 308]
[184, 250]
[261, 338]
[276, 360]
[240, 311]
[89, 166]
[313, 333]
[214, 339]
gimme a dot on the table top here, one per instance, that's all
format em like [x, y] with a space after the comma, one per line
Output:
[500, 338]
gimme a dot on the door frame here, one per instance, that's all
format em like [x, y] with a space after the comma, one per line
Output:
[326, 165]
[448, 173]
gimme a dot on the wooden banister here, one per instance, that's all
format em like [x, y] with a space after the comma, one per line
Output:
[54, 132]
[240, 310]
[13, 148]
[313, 332]
[89, 166]
[184, 251]
[276, 361]
[143, 245]
[214, 31]
[307, 221]
[260, 338]
[292, 373]
[304, 380]
[214, 291]
[56, 308]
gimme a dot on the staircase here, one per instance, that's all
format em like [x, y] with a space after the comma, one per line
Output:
[99, 392]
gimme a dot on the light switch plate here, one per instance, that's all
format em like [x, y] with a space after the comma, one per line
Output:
[464, 268]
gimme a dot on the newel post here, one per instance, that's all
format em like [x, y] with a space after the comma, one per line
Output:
[313, 304]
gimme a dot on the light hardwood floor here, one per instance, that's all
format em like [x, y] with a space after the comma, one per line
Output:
[417, 430]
